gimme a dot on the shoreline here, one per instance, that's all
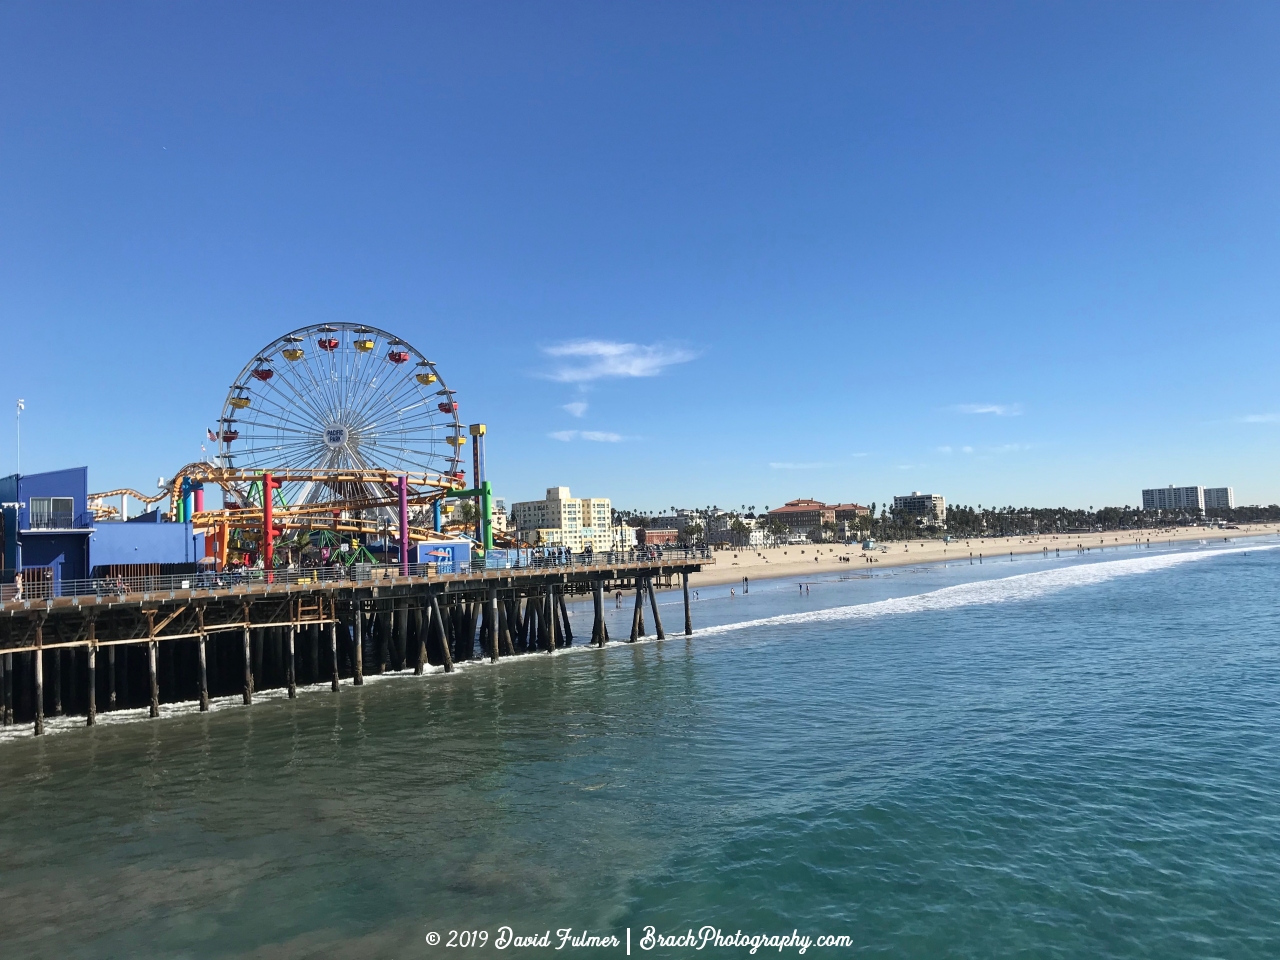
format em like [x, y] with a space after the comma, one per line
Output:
[801, 560]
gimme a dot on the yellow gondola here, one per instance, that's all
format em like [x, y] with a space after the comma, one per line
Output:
[456, 441]
[364, 346]
[239, 402]
[427, 379]
[293, 353]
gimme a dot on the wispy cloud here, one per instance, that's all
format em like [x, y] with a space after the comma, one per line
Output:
[598, 436]
[586, 360]
[996, 409]
[944, 449]
[1261, 418]
[577, 408]
[966, 449]
[788, 465]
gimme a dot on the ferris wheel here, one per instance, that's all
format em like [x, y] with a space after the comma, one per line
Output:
[339, 397]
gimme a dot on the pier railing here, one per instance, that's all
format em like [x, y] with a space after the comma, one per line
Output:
[119, 588]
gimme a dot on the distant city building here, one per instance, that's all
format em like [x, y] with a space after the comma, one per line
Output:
[677, 521]
[564, 521]
[1174, 498]
[802, 517]
[1219, 498]
[927, 506]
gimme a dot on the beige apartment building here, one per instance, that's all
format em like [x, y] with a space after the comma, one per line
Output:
[564, 521]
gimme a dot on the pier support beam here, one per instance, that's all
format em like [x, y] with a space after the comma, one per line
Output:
[494, 641]
[418, 621]
[437, 623]
[333, 644]
[637, 614]
[291, 674]
[91, 710]
[248, 662]
[8, 690]
[653, 605]
[357, 657]
[688, 618]
[57, 682]
[549, 607]
[564, 618]
[152, 653]
[204, 669]
[37, 677]
[111, 678]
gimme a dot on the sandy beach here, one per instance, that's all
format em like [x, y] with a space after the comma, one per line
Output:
[808, 559]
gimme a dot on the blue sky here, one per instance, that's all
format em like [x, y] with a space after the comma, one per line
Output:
[671, 253]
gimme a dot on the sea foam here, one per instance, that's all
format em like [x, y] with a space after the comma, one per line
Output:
[1018, 588]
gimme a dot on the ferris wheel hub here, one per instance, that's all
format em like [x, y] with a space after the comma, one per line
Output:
[336, 436]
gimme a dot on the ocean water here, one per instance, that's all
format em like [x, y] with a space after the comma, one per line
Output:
[1072, 757]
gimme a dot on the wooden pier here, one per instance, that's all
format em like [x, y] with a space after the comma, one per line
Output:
[115, 649]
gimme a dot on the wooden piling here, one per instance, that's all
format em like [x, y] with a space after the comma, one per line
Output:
[597, 627]
[91, 709]
[37, 677]
[437, 621]
[152, 651]
[248, 662]
[494, 642]
[420, 617]
[333, 644]
[549, 610]
[402, 632]
[357, 659]
[111, 678]
[57, 682]
[290, 666]
[204, 670]
[504, 628]
[8, 690]
[653, 605]
[564, 617]
[380, 643]
[637, 614]
[688, 618]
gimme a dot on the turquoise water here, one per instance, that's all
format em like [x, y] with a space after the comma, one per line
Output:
[1047, 758]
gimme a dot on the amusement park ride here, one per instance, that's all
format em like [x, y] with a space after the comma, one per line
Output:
[333, 435]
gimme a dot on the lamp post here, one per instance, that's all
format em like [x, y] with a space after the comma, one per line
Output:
[17, 431]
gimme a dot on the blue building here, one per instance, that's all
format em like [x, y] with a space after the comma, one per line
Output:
[49, 535]
[47, 523]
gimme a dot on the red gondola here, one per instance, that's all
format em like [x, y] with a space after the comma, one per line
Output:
[460, 475]
[229, 435]
[328, 343]
[448, 407]
[397, 356]
[263, 373]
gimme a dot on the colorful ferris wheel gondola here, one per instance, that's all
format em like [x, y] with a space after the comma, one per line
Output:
[342, 407]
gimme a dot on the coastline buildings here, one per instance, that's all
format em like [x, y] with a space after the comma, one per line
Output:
[1188, 498]
[1219, 498]
[1173, 498]
[561, 520]
[802, 517]
[925, 506]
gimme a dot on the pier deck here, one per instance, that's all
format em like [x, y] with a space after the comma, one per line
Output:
[190, 637]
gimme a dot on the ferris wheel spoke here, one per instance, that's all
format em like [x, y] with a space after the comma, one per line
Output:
[302, 398]
[270, 411]
[324, 389]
